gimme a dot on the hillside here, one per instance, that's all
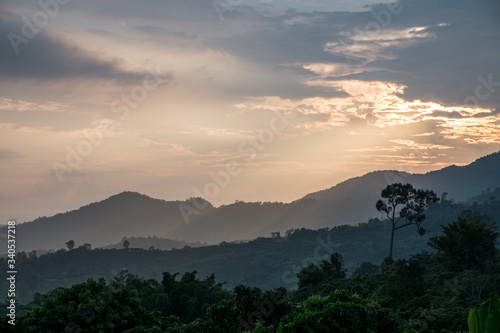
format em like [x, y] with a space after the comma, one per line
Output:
[152, 243]
[263, 262]
[351, 202]
[103, 223]
[459, 182]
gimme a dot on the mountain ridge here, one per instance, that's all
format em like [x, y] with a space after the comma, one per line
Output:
[131, 214]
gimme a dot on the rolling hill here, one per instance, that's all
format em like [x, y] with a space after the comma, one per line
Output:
[263, 262]
[350, 202]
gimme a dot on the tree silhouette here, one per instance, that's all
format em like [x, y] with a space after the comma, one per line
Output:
[102, 309]
[403, 203]
[126, 243]
[469, 242]
[70, 244]
[366, 268]
[327, 271]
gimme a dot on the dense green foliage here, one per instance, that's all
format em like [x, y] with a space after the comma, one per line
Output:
[93, 306]
[420, 290]
[486, 319]
[421, 294]
[266, 263]
[339, 312]
[329, 270]
[469, 243]
[187, 298]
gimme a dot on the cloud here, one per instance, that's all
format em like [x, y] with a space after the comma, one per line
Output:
[54, 116]
[8, 154]
[325, 70]
[446, 68]
[293, 46]
[421, 47]
[367, 46]
[174, 149]
[51, 56]
[7, 104]
[447, 114]
[488, 113]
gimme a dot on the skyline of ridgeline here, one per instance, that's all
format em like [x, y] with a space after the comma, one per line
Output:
[131, 214]
[237, 100]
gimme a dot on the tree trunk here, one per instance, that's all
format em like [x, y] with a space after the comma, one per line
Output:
[392, 242]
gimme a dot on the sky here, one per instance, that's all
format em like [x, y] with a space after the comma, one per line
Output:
[237, 99]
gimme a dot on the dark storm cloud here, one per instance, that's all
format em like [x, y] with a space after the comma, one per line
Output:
[448, 67]
[161, 34]
[289, 38]
[458, 115]
[458, 43]
[445, 114]
[495, 112]
[45, 56]
[149, 9]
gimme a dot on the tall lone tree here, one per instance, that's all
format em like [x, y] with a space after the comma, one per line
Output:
[70, 244]
[404, 206]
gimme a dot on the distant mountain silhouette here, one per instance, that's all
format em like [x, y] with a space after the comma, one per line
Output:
[354, 199]
[266, 262]
[350, 202]
[459, 182]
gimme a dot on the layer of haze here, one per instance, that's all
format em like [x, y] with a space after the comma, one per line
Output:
[294, 95]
